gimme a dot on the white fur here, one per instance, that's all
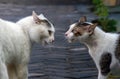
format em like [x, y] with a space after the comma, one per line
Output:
[88, 23]
[14, 50]
[35, 30]
[15, 45]
[41, 16]
[69, 34]
[98, 44]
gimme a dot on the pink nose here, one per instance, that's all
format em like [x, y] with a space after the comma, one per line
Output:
[66, 34]
[53, 40]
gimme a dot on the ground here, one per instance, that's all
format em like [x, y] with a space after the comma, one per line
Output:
[60, 60]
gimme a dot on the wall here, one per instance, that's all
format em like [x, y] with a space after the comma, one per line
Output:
[46, 2]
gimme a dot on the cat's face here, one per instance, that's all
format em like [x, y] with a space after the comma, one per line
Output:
[43, 30]
[80, 31]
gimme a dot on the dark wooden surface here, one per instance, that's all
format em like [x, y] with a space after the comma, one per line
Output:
[60, 60]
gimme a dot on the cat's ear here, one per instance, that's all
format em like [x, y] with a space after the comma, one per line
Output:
[91, 28]
[83, 19]
[41, 15]
[36, 18]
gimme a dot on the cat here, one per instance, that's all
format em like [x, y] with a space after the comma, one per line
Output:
[104, 48]
[16, 41]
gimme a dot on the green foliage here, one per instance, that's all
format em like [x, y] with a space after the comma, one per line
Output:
[101, 11]
[108, 25]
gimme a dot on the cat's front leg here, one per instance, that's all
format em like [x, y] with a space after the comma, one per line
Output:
[22, 71]
[100, 76]
[3, 71]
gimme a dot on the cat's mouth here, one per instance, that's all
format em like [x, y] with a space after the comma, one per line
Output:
[46, 43]
[71, 40]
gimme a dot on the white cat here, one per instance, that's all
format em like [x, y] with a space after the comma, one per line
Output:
[104, 48]
[16, 41]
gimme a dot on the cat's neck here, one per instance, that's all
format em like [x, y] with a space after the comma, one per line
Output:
[101, 39]
[26, 24]
[96, 38]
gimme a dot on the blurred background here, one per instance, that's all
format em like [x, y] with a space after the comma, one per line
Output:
[46, 2]
[58, 2]
[62, 60]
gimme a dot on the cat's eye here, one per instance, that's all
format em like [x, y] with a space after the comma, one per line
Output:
[77, 34]
[50, 32]
[72, 30]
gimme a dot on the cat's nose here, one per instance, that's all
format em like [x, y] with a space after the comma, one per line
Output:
[53, 40]
[66, 34]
